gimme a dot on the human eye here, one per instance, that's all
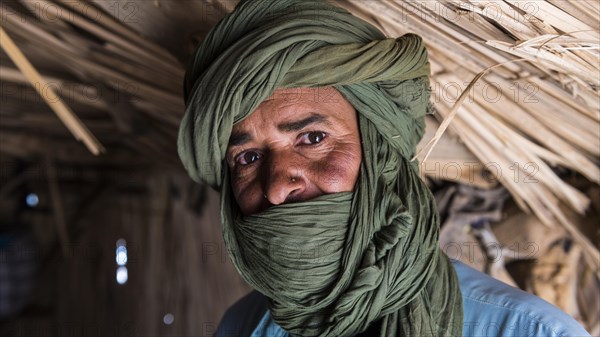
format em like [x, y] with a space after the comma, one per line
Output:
[312, 137]
[248, 157]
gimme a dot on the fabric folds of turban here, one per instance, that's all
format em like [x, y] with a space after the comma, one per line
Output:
[332, 265]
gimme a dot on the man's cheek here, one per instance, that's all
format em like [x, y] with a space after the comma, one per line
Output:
[239, 184]
[331, 176]
[242, 177]
[248, 196]
[339, 171]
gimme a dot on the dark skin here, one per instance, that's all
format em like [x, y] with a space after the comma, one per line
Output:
[298, 144]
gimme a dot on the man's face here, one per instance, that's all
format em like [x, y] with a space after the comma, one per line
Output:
[297, 145]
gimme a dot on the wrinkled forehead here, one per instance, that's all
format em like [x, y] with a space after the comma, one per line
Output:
[306, 95]
[285, 103]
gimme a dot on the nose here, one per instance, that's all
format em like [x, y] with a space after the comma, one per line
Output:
[285, 181]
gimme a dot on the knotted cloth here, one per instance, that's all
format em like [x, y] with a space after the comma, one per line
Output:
[332, 265]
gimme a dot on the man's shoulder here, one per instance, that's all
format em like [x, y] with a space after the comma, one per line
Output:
[493, 308]
[243, 316]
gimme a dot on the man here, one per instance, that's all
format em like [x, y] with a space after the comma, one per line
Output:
[305, 118]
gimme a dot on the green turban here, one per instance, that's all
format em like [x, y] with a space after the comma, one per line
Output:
[332, 265]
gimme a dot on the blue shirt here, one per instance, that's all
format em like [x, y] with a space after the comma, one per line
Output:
[491, 308]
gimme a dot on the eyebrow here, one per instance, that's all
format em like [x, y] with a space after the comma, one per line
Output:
[240, 138]
[301, 124]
